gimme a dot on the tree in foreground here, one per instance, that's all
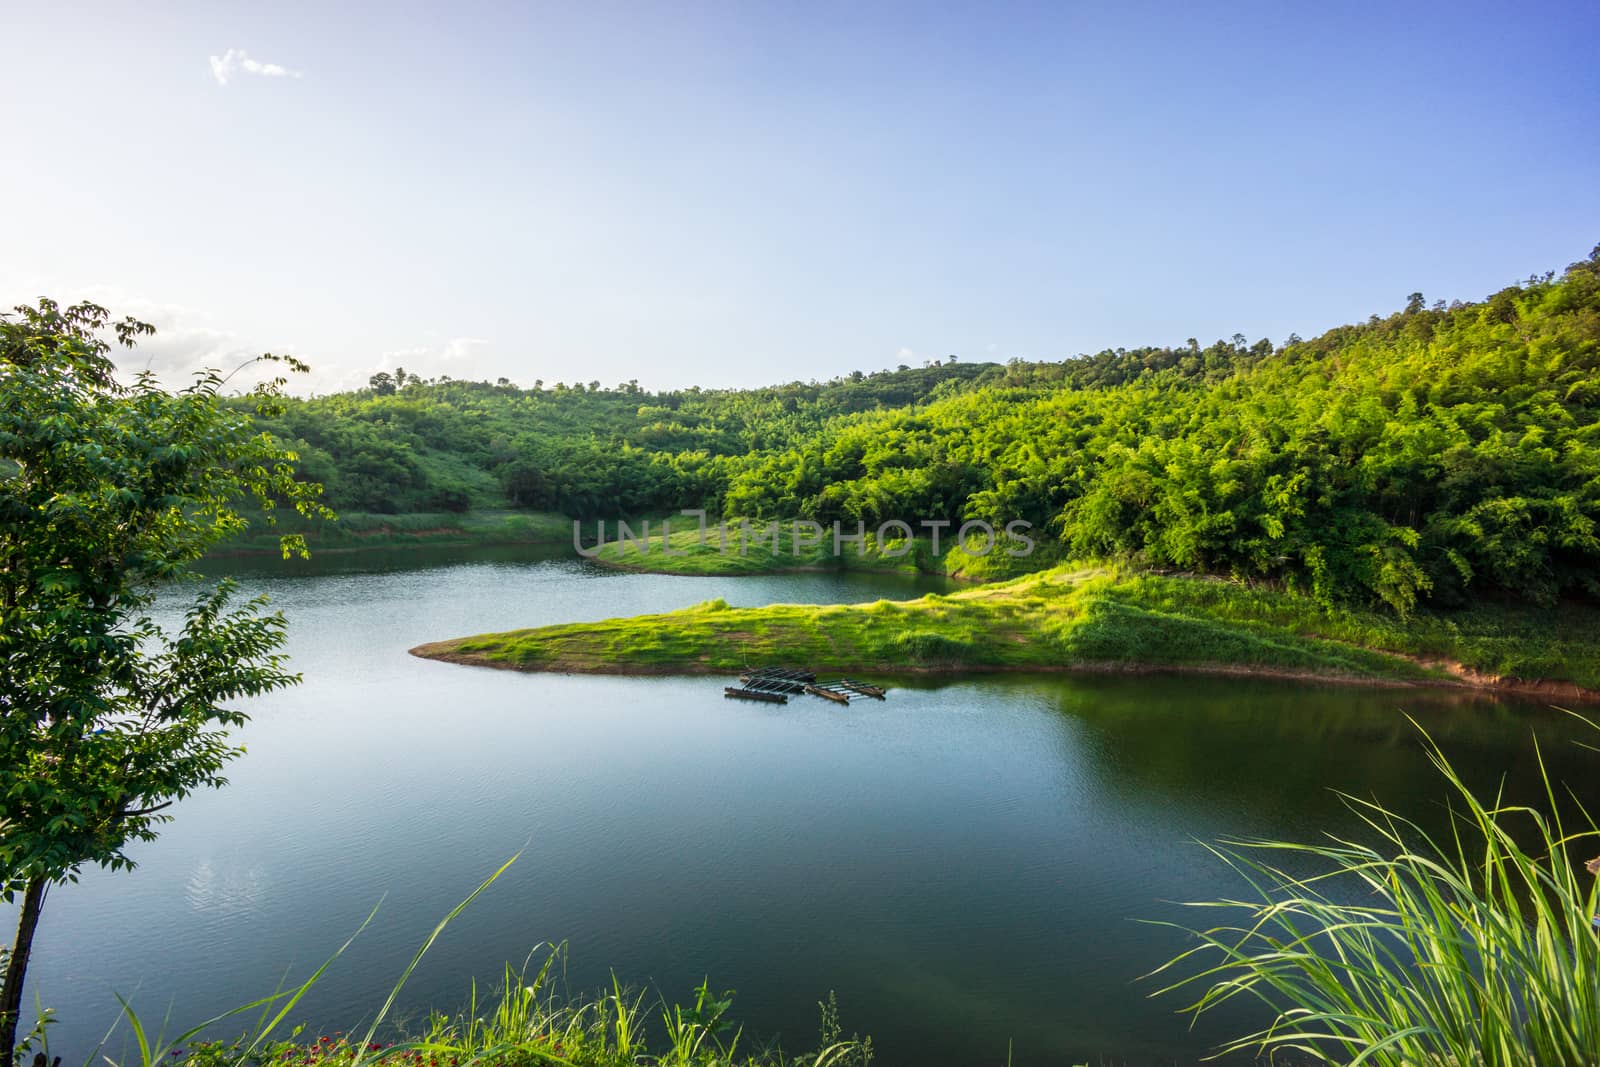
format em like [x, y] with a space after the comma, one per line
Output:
[107, 492]
[1480, 948]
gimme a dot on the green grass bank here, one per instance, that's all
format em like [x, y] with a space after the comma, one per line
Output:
[733, 549]
[1077, 618]
[354, 531]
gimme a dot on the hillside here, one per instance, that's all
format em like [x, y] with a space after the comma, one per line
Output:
[432, 445]
[1440, 455]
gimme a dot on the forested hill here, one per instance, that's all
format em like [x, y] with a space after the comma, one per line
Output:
[1435, 454]
[410, 444]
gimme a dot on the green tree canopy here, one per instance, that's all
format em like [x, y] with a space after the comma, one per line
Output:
[106, 491]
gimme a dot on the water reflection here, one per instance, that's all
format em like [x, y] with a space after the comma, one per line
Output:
[965, 864]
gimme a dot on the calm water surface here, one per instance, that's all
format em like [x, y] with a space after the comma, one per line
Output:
[964, 864]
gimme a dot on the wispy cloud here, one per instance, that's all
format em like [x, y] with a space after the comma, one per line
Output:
[236, 61]
[392, 359]
[461, 347]
[186, 341]
[427, 359]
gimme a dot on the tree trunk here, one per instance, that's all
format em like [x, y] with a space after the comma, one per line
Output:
[17, 969]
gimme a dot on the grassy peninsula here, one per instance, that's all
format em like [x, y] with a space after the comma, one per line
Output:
[1074, 617]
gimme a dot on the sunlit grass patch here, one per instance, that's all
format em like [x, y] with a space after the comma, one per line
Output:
[685, 551]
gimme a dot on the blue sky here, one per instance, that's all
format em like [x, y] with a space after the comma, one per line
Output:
[734, 194]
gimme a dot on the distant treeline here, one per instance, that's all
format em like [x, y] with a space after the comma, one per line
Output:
[1436, 454]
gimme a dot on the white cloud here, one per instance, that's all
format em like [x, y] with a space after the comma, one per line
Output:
[461, 347]
[186, 342]
[905, 354]
[427, 360]
[237, 61]
[457, 348]
[392, 359]
[189, 340]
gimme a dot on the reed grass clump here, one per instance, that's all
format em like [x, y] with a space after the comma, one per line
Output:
[1401, 949]
[528, 1021]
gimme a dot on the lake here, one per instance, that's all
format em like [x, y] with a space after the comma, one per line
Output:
[964, 864]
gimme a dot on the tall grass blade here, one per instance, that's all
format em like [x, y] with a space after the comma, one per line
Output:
[405, 975]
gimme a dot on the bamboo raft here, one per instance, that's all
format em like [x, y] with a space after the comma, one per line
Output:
[754, 694]
[778, 674]
[829, 691]
[787, 686]
[776, 684]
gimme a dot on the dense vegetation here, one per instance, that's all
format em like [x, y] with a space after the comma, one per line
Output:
[1437, 455]
[443, 445]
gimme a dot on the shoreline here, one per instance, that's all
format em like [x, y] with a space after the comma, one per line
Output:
[1466, 681]
[630, 568]
[379, 531]
[401, 546]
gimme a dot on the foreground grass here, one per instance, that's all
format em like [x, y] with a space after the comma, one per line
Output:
[528, 1021]
[1064, 618]
[353, 531]
[1479, 948]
